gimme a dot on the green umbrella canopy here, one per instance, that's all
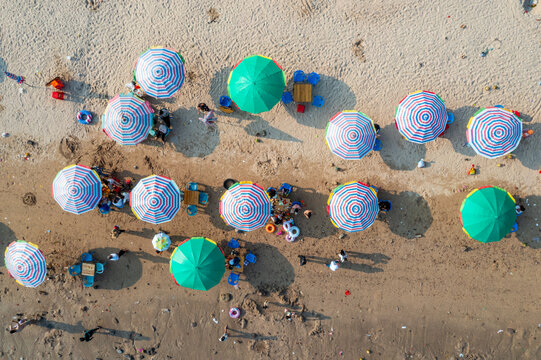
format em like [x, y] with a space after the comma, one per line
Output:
[256, 84]
[488, 214]
[198, 264]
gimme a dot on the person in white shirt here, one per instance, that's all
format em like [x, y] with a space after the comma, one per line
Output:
[343, 256]
[333, 265]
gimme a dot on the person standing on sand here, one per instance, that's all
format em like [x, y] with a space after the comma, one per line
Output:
[333, 265]
[115, 233]
[116, 256]
[87, 334]
[308, 214]
[343, 256]
[302, 260]
[224, 336]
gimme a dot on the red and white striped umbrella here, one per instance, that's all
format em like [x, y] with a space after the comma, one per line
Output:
[25, 263]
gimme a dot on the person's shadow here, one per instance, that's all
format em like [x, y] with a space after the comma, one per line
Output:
[7, 236]
[528, 227]
[410, 216]
[79, 329]
[376, 258]
[3, 67]
[337, 94]
[397, 152]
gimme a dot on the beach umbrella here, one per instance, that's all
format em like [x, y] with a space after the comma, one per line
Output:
[155, 199]
[488, 214]
[353, 206]
[256, 84]
[19, 79]
[127, 119]
[77, 189]
[25, 263]
[198, 263]
[159, 72]
[421, 117]
[245, 206]
[493, 132]
[161, 241]
[350, 135]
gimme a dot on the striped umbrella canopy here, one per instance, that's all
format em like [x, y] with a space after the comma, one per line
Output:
[245, 206]
[353, 206]
[127, 119]
[493, 132]
[488, 214]
[155, 199]
[161, 241]
[256, 84]
[198, 263]
[25, 263]
[160, 72]
[421, 117]
[77, 189]
[350, 134]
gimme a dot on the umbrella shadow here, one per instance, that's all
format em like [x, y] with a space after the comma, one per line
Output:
[350, 265]
[256, 124]
[337, 94]
[528, 227]
[456, 133]
[272, 269]
[3, 67]
[397, 152]
[122, 273]
[213, 207]
[318, 226]
[529, 148]
[7, 236]
[410, 216]
[190, 136]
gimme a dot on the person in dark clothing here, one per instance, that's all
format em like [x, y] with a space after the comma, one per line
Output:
[202, 107]
[165, 116]
[302, 260]
[377, 127]
[384, 205]
[87, 334]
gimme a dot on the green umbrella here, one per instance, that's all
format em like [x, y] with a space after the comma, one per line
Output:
[488, 214]
[256, 84]
[198, 263]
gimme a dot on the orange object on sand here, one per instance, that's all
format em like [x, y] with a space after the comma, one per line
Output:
[270, 228]
[57, 84]
[472, 170]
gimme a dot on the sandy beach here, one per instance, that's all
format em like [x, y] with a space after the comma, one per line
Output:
[419, 287]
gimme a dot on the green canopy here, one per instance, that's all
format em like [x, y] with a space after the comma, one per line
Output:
[198, 264]
[488, 214]
[256, 84]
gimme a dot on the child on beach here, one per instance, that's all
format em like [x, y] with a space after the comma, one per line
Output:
[115, 233]
[224, 336]
[343, 256]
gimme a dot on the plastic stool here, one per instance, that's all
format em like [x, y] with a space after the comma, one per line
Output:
[313, 78]
[377, 145]
[58, 95]
[318, 101]
[300, 108]
[191, 210]
[225, 101]
[299, 76]
[287, 97]
[450, 117]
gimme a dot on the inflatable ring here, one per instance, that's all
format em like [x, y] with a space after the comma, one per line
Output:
[294, 232]
[270, 228]
[287, 225]
[289, 238]
[84, 117]
[234, 313]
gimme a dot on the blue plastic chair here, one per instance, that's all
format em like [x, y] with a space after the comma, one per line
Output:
[269, 189]
[233, 244]
[86, 257]
[299, 76]
[386, 202]
[99, 268]
[225, 101]
[318, 101]
[287, 97]
[191, 210]
[74, 270]
[233, 279]
[88, 281]
[182, 196]
[313, 78]
[104, 209]
[203, 198]
[377, 145]
[192, 186]
[450, 117]
[251, 258]
[287, 187]
[515, 227]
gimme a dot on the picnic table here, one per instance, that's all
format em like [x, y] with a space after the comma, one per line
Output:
[302, 92]
[281, 204]
[242, 255]
[88, 269]
[191, 197]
